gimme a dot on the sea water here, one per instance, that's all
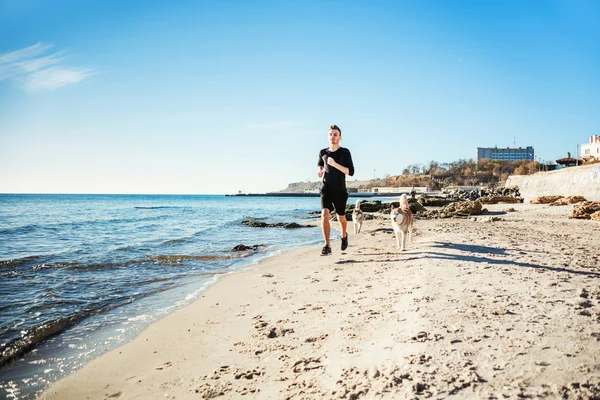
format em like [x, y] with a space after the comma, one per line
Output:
[81, 274]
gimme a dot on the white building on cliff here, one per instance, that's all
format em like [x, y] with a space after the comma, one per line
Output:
[591, 150]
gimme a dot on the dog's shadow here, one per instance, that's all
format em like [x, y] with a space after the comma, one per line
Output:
[492, 261]
[472, 248]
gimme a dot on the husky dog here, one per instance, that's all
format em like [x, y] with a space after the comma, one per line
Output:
[402, 222]
[357, 217]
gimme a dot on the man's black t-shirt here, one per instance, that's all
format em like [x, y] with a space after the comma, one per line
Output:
[333, 178]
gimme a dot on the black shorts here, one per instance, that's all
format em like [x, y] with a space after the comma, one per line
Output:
[334, 200]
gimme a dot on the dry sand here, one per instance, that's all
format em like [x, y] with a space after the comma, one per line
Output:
[474, 309]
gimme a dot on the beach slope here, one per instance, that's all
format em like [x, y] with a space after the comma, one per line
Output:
[499, 306]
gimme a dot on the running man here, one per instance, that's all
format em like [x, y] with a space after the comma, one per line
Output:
[334, 164]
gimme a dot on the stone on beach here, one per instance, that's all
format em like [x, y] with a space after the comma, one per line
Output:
[457, 208]
[584, 210]
[568, 200]
[545, 199]
[500, 199]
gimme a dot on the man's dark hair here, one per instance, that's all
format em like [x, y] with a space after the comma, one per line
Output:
[336, 127]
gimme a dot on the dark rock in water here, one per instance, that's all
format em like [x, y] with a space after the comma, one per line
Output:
[376, 206]
[370, 206]
[366, 217]
[243, 247]
[293, 225]
[387, 207]
[249, 221]
[366, 206]
[255, 224]
[416, 207]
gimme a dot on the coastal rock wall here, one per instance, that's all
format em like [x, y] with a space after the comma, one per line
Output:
[573, 181]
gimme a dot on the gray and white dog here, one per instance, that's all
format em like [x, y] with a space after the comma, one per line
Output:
[357, 217]
[402, 222]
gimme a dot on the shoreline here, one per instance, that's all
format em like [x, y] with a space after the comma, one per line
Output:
[177, 304]
[473, 308]
[161, 264]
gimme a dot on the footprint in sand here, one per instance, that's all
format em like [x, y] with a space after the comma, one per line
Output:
[307, 364]
[315, 339]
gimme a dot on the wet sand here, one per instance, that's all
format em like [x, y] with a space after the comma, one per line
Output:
[499, 306]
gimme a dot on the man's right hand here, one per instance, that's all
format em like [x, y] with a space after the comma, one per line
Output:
[320, 172]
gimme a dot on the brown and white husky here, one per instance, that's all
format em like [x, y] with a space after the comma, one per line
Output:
[357, 217]
[402, 222]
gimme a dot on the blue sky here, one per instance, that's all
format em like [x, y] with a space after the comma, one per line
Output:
[220, 96]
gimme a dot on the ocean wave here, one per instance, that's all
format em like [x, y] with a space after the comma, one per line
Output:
[19, 230]
[118, 220]
[126, 249]
[175, 242]
[77, 266]
[31, 338]
[34, 336]
[151, 281]
[175, 259]
[56, 227]
[131, 249]
[57, 265]
[17, 262]
[166, 259]
[158, 207]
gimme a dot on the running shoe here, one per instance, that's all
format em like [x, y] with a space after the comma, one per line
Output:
[345, 242]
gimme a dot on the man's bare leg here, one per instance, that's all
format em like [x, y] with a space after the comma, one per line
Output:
[325, 226]
[343, 224]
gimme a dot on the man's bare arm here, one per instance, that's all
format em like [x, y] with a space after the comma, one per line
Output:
[334, 164]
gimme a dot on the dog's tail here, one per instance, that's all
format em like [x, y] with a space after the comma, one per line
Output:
[404, 202]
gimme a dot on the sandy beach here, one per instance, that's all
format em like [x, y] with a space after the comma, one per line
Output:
[498, 306]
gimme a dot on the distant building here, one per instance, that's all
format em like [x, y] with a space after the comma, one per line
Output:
[506, 154]
[591, 150]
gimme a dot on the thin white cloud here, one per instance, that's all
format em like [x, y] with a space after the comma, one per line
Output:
[35, 64]
[52, 78]
[35, 69]
[25, 53]
[459, 61]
